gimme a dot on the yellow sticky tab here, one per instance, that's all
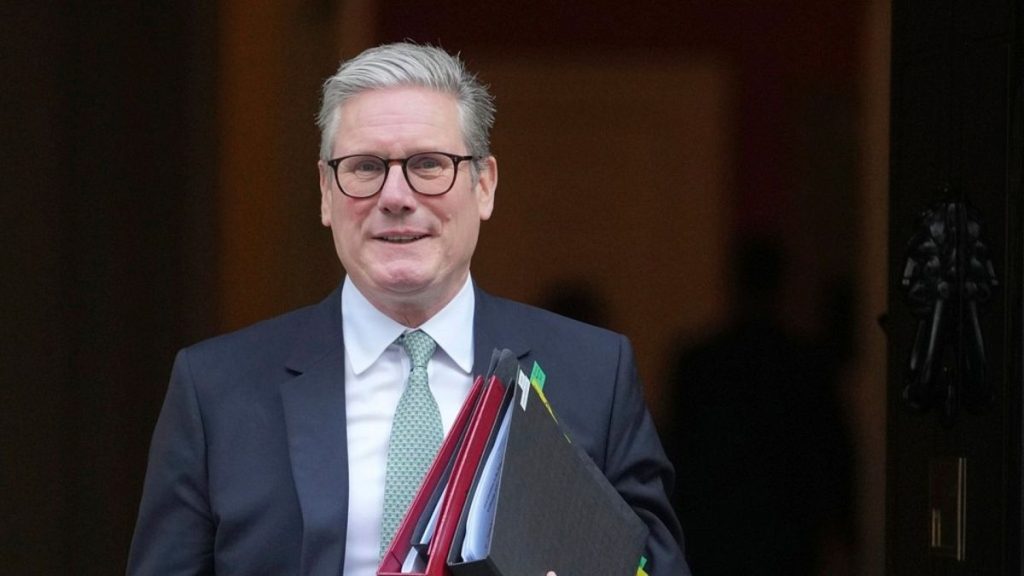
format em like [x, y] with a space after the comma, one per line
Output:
[640, 570]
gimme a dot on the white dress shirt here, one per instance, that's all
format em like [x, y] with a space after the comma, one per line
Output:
[376, 369]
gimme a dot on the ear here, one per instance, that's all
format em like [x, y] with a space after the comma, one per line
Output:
[326, 187]
[486, 185]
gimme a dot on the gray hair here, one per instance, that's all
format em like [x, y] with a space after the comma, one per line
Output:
[407, 64]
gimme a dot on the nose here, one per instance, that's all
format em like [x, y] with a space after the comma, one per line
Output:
[396, 197]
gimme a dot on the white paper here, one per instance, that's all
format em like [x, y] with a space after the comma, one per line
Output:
[413, 562]
[524, 385]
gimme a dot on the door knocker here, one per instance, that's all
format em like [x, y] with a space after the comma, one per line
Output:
[948, 280]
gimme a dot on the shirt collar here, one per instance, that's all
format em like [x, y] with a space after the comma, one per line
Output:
[368, 332]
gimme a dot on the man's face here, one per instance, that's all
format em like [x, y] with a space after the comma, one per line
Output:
[407, 253]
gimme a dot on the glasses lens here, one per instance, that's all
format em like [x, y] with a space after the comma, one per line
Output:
[361, 176]
[430, 173]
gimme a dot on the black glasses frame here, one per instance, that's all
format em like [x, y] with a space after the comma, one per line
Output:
[455, 158]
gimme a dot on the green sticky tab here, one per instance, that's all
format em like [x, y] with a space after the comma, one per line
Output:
[537, 383]
[537, 377]
[641, 569]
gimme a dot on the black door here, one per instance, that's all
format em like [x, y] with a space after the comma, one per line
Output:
[955, 261]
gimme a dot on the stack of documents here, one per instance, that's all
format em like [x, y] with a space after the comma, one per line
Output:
[509, 494]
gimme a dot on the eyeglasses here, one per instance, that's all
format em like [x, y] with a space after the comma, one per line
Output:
[428, 173]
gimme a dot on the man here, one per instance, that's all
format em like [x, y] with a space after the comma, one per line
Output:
[271, 453]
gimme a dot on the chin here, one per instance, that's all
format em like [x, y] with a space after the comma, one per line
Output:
[404, 281]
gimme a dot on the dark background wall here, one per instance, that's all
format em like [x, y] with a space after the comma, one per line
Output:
[109, 155]
[158, 187]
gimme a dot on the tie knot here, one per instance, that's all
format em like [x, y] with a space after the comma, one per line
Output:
[419, 346]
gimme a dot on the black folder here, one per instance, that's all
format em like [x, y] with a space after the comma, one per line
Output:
[554, 509]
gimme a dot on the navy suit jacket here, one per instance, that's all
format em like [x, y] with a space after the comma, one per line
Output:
[248, 468]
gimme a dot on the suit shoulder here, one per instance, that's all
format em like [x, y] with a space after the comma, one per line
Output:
[267, 340]
[549, 325]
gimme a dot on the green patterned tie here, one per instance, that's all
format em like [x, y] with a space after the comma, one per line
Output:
[416, 435]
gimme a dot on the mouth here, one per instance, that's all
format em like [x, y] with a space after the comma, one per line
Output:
[400, 238]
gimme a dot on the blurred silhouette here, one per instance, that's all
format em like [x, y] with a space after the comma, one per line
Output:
[762, 456]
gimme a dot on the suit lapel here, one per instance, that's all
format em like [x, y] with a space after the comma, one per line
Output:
[314, 409]
[493, 328]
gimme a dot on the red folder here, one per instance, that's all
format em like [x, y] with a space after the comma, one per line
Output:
[401, 544]
[450, 477]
